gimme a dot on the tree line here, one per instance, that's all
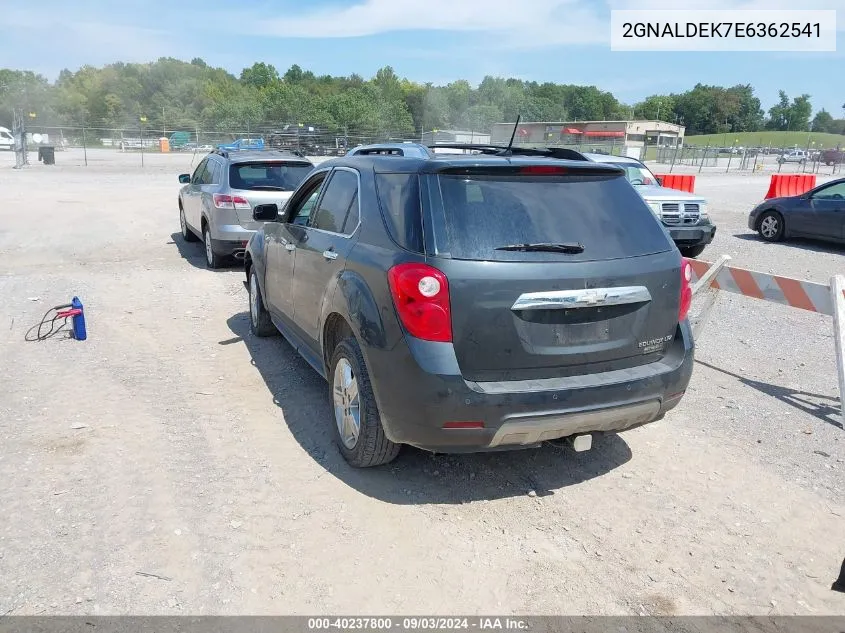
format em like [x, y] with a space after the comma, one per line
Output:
[173, 94]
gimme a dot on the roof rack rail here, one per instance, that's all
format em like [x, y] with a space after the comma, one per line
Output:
[410, 149]
[501, 150]
[269, 150]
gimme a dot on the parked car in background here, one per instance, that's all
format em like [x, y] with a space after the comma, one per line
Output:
[793, 156]
[216, 202]
[472, 302]
[832, 157]
[243, 144]
[683, 214]
[7, 141]
[818, 213]
[180, 140]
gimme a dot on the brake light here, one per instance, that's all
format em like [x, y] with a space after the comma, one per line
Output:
[686, 290]
[224, 201]
[421, 296]
[543, 170]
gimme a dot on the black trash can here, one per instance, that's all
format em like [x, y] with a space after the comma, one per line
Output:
[47, 154]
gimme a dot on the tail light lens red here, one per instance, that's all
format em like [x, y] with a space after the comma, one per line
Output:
[224, 201]
[686, 290]
[421, 296]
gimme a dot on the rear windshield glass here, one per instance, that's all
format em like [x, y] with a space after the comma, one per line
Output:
[602, 212]
[268, 176]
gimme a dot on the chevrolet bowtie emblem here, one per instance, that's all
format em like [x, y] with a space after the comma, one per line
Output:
[593, 297]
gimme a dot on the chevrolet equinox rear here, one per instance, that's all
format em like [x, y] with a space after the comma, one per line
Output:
[476, 302]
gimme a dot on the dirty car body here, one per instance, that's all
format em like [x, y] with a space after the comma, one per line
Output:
[471, 337]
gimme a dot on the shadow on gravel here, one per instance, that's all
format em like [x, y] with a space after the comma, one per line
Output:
[796, 242]
[416, 477]
[824, 408]
[194, 254]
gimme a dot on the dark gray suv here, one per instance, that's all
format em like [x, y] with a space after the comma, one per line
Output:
[489, 300]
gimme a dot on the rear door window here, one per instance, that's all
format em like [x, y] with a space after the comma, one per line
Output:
[500, 207]
[338, 210]
[268, 176]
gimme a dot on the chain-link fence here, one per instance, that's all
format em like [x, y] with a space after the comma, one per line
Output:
[322, 141]
[748, 159]
[307, 139]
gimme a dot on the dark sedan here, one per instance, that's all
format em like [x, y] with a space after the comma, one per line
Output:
[818, 213]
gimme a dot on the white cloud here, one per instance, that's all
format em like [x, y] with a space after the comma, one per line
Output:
[538, 23]
[78, 36]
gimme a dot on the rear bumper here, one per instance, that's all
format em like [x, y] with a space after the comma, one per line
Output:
[230, 240]
[697, 235]
[419, 389]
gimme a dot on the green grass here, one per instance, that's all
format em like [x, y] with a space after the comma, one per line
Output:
[820, 140]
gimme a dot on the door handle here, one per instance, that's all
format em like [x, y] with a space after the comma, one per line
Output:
[329, 254]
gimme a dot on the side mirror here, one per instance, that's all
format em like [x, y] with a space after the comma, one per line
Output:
[265, 213]
[185, 178]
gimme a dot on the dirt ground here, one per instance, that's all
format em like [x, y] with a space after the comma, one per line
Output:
[174, 464]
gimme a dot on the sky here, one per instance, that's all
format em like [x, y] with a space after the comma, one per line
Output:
[438, 41]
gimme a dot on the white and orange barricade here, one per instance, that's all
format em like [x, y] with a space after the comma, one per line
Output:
[828, 299]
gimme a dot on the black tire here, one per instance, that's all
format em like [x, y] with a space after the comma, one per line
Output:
[259, 319]
[187, 233]
[770, 226]
[371, 448]
[212, 259]
[693, 251]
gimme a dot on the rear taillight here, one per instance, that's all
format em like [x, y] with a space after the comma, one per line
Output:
[224, 201]
[421, 296]
[686, 290]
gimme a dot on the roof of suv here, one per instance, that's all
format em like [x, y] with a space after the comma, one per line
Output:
[413, 157]
[242, 156]
[610, 158]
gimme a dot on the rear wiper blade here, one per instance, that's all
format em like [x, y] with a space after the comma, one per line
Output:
[267, 188]
[572, 248]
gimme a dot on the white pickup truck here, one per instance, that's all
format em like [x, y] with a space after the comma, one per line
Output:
[7, 141]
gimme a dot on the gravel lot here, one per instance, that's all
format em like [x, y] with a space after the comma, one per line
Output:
[175, 444]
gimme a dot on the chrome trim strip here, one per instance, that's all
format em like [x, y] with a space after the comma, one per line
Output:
[584, 298]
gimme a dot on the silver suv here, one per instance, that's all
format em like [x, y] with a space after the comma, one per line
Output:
[217, 201]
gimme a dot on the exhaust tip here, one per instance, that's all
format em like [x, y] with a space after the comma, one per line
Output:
[581, 443]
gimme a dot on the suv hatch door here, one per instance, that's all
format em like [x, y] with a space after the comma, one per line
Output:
[523, 314]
